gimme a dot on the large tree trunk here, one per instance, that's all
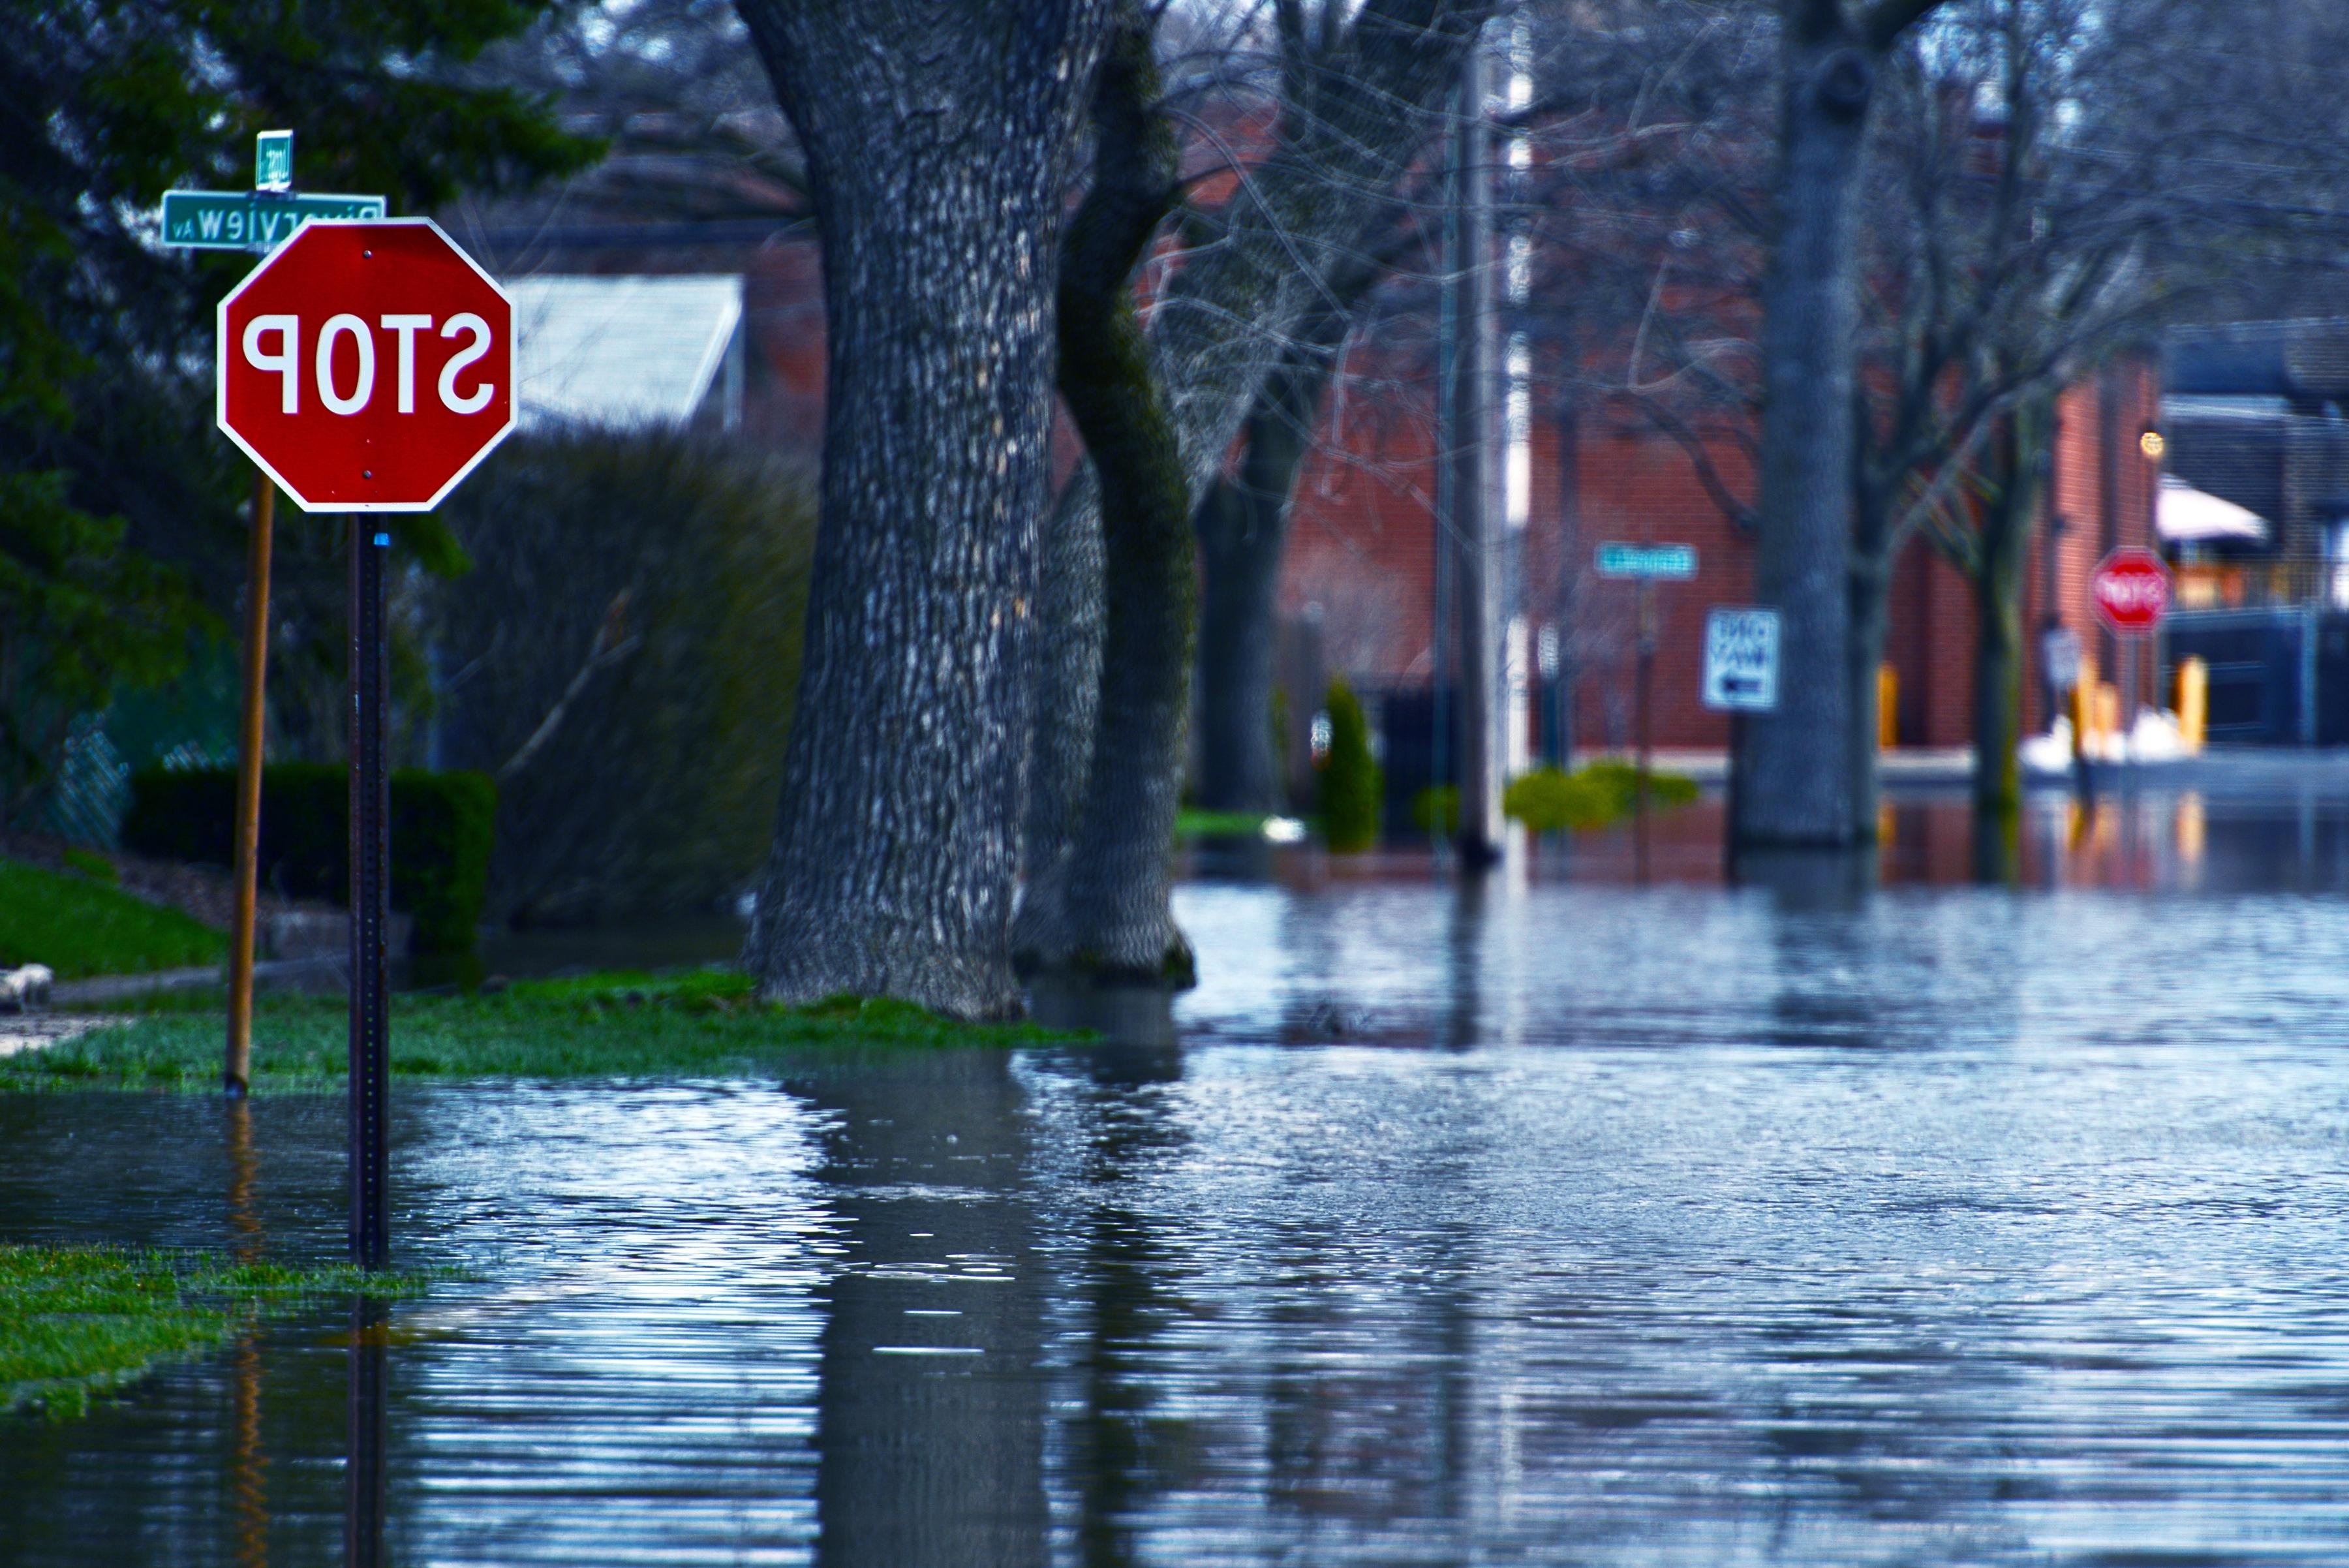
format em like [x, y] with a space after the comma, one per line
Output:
[1104, 906]
[1795, 764]
[1359, 112]
[935, 137]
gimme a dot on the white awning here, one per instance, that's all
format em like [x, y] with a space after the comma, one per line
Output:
[2185, 515]
[621, 350]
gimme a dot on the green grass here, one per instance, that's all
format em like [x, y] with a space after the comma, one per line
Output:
[613, 1025]
[1194, 823]
[80, 926]
[76, 1321]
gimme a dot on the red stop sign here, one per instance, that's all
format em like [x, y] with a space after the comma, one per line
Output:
[2131, 590]
[366, 366]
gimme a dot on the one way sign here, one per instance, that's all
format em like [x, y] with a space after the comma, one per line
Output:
[1741, 660]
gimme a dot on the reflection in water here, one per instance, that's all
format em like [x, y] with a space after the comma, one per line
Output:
[1559, 1220]
[249, 1471]
[363, 1463]
[929, 1421]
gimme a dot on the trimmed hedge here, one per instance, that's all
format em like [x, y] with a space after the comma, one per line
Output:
[442, 828]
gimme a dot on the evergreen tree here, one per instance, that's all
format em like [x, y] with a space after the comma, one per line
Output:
[1352, 782]
[108, 456]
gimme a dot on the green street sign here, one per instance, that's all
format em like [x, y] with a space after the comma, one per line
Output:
[273, 161]
[241, 221]
[1617, 560]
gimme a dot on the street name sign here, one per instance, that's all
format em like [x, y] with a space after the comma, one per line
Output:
[1673, 561]
[2131, 590]
[250, 219]
[273, 161]
[367, 366]
[1741, 660]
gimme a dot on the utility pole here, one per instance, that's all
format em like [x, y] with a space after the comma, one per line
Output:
[1471, 454]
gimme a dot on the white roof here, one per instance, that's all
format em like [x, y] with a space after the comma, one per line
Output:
[2185, 515]
[620, 350]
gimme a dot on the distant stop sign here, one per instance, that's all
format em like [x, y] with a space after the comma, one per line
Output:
[2131, 590]
[366, 366]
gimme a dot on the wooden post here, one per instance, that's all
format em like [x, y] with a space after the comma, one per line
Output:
[236, 1076]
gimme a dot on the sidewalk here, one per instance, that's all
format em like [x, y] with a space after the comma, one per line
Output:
[1906, 765]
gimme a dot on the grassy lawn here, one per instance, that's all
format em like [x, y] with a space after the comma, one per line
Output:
[75, 1321]
[1193, 822]
[81, 927]
[705, 1024]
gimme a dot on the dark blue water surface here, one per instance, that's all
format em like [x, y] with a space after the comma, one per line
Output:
[1561, 1223]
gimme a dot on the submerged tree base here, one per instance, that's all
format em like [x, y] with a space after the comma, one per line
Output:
[76, 1321]
[611, 1025]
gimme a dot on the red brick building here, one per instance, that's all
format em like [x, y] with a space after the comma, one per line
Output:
[1363, 562]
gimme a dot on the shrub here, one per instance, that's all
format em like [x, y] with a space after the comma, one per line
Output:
[1436, 810]
[645, 590]
[1351, 783]
[1546, 800]
[441, 835]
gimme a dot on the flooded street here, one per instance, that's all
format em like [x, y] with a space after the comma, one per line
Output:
[1564, 1222]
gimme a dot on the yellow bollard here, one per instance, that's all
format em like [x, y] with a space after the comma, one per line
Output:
[2193, 703]
[2108, 711]
[2083, 708]
[1888, 707]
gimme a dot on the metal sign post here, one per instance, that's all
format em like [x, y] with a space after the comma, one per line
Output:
[2131, 592]
[371, 826]
[1646, 564]
[1741, 677]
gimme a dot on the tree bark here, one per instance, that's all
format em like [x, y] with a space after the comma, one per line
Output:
[936, 138]
[1103, 908]
[1796, 764]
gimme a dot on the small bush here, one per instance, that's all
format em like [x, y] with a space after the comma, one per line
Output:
[649, 587]
[1436, 810]
[442, 830]
[1351, 783]
[1548, 801]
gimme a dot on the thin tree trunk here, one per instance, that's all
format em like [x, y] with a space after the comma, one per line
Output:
[936, 138]
[2003, 553]
[1867, 632]
[1103, 908]
[1358, 113]
[1795, 763]
[1243, 529]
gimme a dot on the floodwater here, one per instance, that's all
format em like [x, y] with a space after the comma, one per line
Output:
[1564, 1222]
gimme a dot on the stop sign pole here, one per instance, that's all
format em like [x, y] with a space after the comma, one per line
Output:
[2131, 592]
[367, 366]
